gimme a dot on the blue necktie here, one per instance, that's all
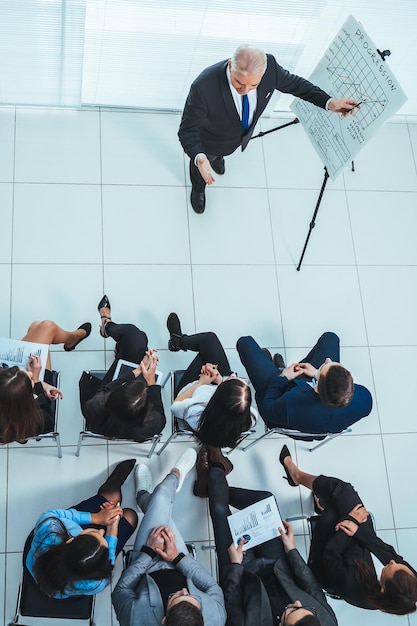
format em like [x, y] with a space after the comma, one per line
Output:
[245, 112]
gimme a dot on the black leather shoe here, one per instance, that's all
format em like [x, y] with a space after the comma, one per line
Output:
[198, 201]
[279, 361]
[219, 166]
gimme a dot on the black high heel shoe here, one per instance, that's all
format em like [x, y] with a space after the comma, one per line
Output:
[283, 455]
[104, 304]
[87, 328]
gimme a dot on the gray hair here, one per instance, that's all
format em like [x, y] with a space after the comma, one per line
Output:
[248, 61]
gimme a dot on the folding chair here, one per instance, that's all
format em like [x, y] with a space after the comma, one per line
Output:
[298, 435]
[85, 433]
[54, 434]
[31, 602]
[179, 426]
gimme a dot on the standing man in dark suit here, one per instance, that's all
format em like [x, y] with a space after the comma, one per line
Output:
[316, 395]
[225, 102]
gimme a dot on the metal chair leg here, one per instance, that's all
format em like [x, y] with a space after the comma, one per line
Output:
[252, 443]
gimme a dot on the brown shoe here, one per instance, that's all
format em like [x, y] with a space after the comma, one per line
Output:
[216, 456]
[200, 488]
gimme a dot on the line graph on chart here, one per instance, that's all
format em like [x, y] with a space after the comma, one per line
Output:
[350, 68]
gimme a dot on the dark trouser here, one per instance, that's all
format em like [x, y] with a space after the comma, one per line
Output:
[261, 369]
[92, 505]
[197, 180]
[220, 497]
[338, 499]
[210, 350]
[131, 345]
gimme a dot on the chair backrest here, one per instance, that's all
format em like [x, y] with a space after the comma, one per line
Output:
[33, 603]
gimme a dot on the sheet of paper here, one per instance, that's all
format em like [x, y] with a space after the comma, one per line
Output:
[256, 523]
[16, 352]
[350, 68]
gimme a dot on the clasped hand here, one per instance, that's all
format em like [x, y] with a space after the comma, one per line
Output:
[147, 367]
[360, 514]
[109, 514]
[299, 369]
[162, 540]
[210, 374]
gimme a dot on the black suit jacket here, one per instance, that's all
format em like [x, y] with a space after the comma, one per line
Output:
[210, 122]
[247, 602]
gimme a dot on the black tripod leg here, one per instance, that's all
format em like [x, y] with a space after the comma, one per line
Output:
[313, 221]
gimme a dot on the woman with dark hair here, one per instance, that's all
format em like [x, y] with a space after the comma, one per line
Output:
[270, 584]
[25, 400]
[343, 543]
[129, 407]
[209, 397]
[73, 550]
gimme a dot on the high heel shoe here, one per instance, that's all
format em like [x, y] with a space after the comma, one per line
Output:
[87, 328]
[104, 304]
[283, 455]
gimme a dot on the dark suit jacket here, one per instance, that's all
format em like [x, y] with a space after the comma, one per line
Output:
[295, 404]
[340, 555]
[210, 122]
[247, 603]
[93, 410]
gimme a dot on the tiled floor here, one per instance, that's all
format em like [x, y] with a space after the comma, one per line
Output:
[95, 202]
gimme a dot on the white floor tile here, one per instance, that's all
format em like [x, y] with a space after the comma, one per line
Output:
[377, 166]
[57, 146]
[146, 294]
[7, 120]
[3, 497]
[243, 169]
[5, 290]
[6, 220]
[395, 409]
[67, 294]
[57, 224]
[390, 219]
[290, 160]
[145, 225]
[329, 297]
[141, 149]
[389, 304]
[229, 298]
[331, 240]
[399, 447]
[235, 229]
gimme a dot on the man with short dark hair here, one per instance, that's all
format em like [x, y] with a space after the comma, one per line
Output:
[163, 584]
[224, 104]
[316, 395]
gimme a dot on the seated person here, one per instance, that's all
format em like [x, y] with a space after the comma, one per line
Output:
[344, 540]
[269, 584]
[316, 395]
[73, 550]
[162, 579]
[129, 407]
[25, 401]
[213, 401]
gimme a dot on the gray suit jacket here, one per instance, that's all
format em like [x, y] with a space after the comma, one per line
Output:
[137, 600]
[210, 122]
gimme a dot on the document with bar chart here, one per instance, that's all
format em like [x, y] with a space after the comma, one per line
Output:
[351, 68]
[14, 352]
[256, 523]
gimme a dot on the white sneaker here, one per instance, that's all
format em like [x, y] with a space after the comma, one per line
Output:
[143, 478]
[184, 463]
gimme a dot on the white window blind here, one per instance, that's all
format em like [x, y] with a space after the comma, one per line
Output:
[41, 51]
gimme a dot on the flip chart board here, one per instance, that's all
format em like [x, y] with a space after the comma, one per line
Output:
[351, 68]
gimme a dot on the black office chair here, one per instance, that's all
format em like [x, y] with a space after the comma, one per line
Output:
[54, 434]
[179, 426]
[85, 433]
[31, 602]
